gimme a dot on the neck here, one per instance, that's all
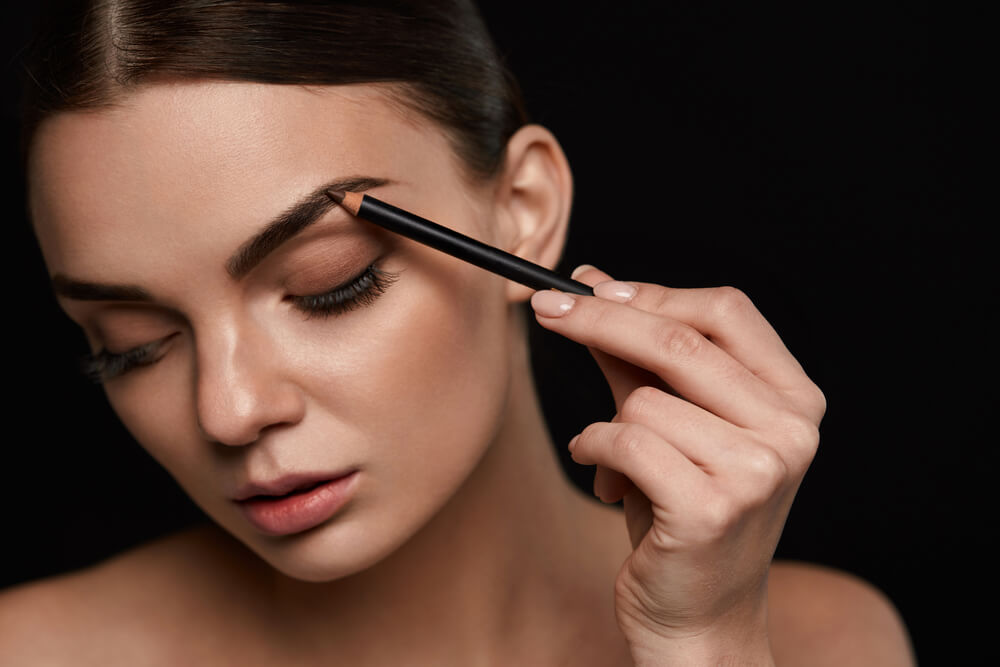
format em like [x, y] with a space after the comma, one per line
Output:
[500, 566]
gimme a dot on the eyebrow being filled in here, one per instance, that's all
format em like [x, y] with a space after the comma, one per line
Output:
[296, 218]
[292, 221]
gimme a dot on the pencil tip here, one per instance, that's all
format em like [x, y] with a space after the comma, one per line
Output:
[336, 195]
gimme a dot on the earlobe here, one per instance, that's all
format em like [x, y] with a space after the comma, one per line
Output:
[533, 201]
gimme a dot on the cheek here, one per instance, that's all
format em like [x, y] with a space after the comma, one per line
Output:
[424, 388]
[422, 373]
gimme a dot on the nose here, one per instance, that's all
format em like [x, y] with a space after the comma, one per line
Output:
[242, 386]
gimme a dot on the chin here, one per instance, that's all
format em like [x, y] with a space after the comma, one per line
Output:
[342, 547]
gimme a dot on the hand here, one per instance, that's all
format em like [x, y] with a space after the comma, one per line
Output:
[716, 424]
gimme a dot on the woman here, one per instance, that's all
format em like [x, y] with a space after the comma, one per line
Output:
[258, 341]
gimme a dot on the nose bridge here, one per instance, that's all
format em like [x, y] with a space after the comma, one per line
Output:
[241, 388]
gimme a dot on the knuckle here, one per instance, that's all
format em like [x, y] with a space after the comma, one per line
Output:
[729, 302]
[676, 341]
[600, 317]
[811, 400]
[717, 516]
[767, 469]
[818, 401]
[592, 432]
[627, 442]
[640, 403]
[656, 298]
[801, 435]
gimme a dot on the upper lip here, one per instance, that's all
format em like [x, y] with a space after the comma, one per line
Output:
[282, 485]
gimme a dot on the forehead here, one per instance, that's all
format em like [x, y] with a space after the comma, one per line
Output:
[203, 163]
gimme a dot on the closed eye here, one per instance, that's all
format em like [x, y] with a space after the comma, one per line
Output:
[360, 291]
[102, 365]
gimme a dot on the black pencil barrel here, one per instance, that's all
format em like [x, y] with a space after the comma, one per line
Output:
[465, 248]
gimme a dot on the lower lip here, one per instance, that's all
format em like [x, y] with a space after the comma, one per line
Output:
[300, 511]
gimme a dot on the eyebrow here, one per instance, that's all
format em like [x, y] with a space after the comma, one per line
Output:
[296, 218]
[292, 221]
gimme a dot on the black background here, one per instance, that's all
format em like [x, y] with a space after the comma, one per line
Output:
[791, 150]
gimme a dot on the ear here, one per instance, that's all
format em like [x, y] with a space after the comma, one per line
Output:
[532, 201]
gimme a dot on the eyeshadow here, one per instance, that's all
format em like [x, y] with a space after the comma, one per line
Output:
[322, 263]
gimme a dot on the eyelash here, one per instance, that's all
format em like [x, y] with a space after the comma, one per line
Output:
[104, 365]
[361, 291]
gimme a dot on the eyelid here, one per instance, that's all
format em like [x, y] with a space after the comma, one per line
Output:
[314, 261]
[357, 292]
[124, 326]
[105, 365]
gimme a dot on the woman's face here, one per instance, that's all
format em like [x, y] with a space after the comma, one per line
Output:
[145, 213]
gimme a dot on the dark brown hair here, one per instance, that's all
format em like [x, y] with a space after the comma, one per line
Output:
[89, 52]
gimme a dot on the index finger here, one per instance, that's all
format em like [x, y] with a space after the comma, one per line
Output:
[682, 357]
[729, 319]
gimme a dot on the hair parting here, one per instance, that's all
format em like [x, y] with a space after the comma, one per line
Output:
[437, 54]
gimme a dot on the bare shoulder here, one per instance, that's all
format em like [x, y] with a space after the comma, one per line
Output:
[820, 616]
[41, 621]
[138, 607]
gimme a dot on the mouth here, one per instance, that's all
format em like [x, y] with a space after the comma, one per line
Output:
[304, 488]
[286, 486]
[306, 505]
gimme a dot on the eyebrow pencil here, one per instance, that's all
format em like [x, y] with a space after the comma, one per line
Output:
[457, 245]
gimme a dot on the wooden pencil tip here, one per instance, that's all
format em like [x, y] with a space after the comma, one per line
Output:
[336, 195]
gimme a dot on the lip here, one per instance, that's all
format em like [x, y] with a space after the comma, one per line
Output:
[286, 484]
[295, 512]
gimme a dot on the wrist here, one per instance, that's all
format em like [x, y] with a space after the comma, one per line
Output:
[737, 641]
[701, 652]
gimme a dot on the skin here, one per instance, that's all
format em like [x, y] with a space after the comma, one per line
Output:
[462, 535]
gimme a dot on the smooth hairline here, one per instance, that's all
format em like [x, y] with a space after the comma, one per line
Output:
[403, 97]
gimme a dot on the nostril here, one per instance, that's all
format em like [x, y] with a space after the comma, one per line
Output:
[238, 400]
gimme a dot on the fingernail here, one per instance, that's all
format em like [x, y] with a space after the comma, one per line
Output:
[615, 290]
[549, 303]
[580, 269]
[572, 443]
